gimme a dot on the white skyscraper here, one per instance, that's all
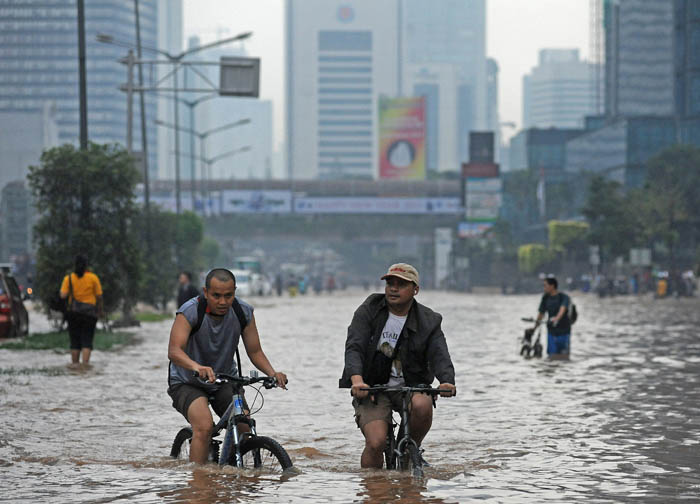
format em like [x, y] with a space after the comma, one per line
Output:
[558, 92]
[444, 60]
[170, 40]
[341, 57]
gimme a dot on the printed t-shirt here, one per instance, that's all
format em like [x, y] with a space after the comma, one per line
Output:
[85, 288]
[387, 344]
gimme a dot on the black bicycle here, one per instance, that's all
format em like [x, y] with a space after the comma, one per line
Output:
[245, 450]
[528, 347]
[401, 450]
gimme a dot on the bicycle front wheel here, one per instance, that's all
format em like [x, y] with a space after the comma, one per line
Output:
[415, 460]
[264, 454]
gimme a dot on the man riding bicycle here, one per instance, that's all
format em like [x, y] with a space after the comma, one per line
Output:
[210, 350]
[394, 340]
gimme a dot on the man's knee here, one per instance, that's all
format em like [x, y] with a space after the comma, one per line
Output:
[422, 407]
[200, 417]
[375, 435]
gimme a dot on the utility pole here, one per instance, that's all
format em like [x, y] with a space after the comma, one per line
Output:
[130, 102]
[82, 78]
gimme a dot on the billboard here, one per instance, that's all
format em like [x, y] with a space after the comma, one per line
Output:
[402, 138]
[483, 198]
[350, 205]
[256, 201]
[473, 229]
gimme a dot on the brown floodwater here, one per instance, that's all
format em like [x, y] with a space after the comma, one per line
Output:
[619, 422]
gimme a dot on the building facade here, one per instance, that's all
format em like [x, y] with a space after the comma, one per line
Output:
[340, 58]
[639, 58]
[444, 59]
[39, 51]
[558, 93]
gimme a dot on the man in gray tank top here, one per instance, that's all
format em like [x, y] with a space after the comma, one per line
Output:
[208, 351]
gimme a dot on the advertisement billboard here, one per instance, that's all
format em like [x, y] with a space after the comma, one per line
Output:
[350, 205]
[483, 198]
[402, 138]
[238, 201]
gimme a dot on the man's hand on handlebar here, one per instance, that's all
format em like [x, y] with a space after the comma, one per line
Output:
[281, 379]
[356, 390]
[447, 390]
[205, 373]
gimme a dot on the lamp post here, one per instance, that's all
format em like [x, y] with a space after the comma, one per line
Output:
[211, 161]
[202, 135]
[176, 60]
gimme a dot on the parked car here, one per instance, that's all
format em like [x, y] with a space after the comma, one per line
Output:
[14, 319]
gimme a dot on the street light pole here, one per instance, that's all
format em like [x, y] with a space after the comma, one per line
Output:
[202, 135]
[82, 76]
[175, 59]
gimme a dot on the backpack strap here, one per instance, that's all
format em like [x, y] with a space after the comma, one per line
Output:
[201, 310]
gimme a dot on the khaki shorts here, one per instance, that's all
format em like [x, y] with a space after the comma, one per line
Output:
[367, 411]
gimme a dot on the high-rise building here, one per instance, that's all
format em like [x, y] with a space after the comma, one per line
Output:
[639, 58]
[558, 93]
[169, 39]
[23, 137]
[444, 59]
[687, 68]
[340, 58]
[39, 54]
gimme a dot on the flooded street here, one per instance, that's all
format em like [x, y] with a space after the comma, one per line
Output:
[619, 422]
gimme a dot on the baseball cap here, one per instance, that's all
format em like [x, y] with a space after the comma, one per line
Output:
[403, 270]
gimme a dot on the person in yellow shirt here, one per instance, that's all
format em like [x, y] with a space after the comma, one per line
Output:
[83, 290]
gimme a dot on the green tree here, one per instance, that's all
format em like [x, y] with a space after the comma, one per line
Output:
[613, 218]
[177, 246]
[85, 200]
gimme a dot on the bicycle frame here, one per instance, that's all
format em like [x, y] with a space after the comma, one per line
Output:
[399, 447]
[232, 438]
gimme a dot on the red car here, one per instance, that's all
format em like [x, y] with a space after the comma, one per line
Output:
[14, 319]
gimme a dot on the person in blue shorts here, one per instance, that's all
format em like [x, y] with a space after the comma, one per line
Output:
[556, 305]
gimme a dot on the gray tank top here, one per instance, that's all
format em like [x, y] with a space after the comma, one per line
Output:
[214, 345]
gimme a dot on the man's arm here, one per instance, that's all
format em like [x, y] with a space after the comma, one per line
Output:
[441, 362]
[359, 333]
[251, 341]
[179, 335]
[100, 307]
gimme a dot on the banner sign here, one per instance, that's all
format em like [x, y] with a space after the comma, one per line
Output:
[473, 229]
[349, 205]
[256, 202]
[483, 198]
[402, 138]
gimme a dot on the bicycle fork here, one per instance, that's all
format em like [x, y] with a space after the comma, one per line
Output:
[233, 439]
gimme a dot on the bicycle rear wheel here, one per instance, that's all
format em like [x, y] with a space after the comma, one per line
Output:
[181, 446]
[264, 454]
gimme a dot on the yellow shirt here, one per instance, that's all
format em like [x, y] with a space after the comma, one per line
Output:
[85, 289]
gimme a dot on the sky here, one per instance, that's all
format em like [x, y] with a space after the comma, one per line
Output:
[516, 31]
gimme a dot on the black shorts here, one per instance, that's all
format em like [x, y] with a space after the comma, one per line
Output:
[183, 395]
[81, 329]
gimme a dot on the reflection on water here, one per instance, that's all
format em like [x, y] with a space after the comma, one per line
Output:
[618, 422]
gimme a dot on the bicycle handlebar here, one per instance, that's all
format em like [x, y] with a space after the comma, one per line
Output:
[267, 381]
[423, 390]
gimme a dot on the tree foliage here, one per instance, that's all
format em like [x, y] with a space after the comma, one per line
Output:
[565, 235]
[85, 200]
[531, 256]
[175, 245]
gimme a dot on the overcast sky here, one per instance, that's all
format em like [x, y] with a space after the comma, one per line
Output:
[516, 30]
